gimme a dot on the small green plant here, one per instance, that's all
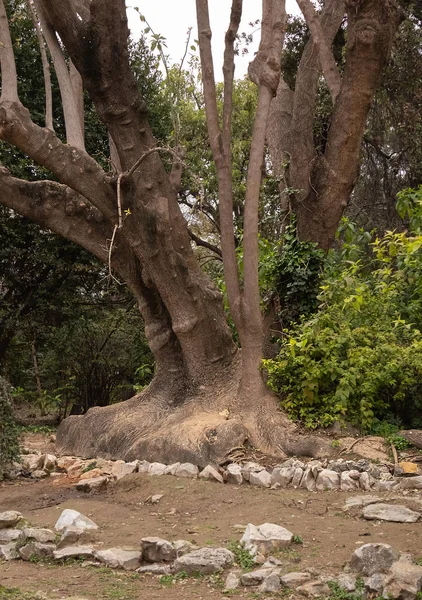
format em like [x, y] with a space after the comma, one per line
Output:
[169, 580]
[297, 539]
[9, 433]
[243, 557]
[90, 467]
[419, 561]
[335, 444]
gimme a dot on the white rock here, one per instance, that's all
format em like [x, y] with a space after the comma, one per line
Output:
[204, 560]
[404, 581]
[250, 467]
[270, 584]
[411, 483]
[211, 474]
[263, 478]
[74, 552]
[155, 549]
[10, 535]
[75, 535]
[117, 558]
[297, 477]
[155, 569]
[283, 476]
[232, 582]
[121, 469]
[360, 501]
[38, 474]
[375, 583]
[33, 462]
[293, 580]
[8, 551]
[183, 547]
[171, 469]
[265, 538]
[155, 499]
[50, 463]
[390, 512]
[37, 550]
[73, 518]
[39, 535]
[308, 480]
[187, 470]
[143, 466]
[327, 480]
[9, 519]
[373, 558]
[386, 486]
[156, 469]
[347, 482]
[346, 582]
[234, 474]
[92, 485]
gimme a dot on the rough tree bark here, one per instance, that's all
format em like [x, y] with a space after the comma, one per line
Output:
[323, 182]
[195, 408]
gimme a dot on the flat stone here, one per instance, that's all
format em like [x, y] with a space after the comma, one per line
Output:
[314, 588]
[10, 518]
[258, 576]
[211, 474]
[390, 512]
[375, 583]
[155, 569]
[404, 581]
[155, 549]
[75, 535]
[121, 469]
[39, 474]
[232, 582]
[10, 535]
[327, 480]
[262, 479]
[283, 476]
[250, 467]
[234, 474]
[39, 535]
[270, 584]
[294, 579]
[36, 550]
[155, 499]
[386, 486]
[373, 558]
[156, 469]
[204, 560]
[361, 501]
[92, 485]
[346, 582]
[74, 552]
[411, 483]
[117, 558]
[73, 518]
[265, 538]
[187, 470]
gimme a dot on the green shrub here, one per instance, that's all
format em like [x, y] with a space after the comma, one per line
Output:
[360, 356]
[9, 434]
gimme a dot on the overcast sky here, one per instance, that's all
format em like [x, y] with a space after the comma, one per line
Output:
[172, 18]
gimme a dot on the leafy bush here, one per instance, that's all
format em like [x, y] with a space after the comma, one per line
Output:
[9, 434]
[360, 356]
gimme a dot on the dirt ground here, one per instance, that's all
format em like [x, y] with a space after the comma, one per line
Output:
[203, 512]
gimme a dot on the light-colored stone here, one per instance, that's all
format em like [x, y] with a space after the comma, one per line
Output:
[33, 462]
[411, 483]
[309, 479]
[270, 584]
[156, 468]
[361, 501]
[204, 560]
[155, 569]
[8, 551]
[282, 476]
[120, 470]
[155, 549]
[10, 518]
[171, 469]
[347, 482]
[36, 550]
[183, 547]
[297, 477]
[10, 535]
[234, 474]
[262, 479]
[265, 538]
[404, 581]
[258, 576]
[39, 535]
[95, 484]
[75, 535]
[295, 579]
[50, 463]
[327, 480]
[91, 474]
[365, 481]
[386, 485]
[232, 582]
[73, 518]
[155, 499]
[373, 558]
[396, 513]
[250, 467]
[375, 583]
[143, 466]
[117, 558]
[187, 470]
[346, 582]
[211, 474]
[74, 552]
[314, 589]
[39, 474]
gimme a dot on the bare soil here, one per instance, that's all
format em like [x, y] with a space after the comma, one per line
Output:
[203, 512]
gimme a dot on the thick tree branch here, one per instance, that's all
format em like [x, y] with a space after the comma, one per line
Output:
[45, 69]
[74, 130]
[9, 91]
[200, 242]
